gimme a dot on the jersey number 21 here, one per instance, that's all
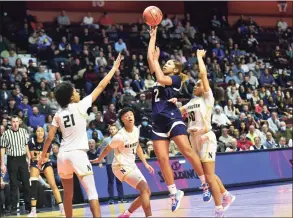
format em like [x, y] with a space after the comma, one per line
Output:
[68, 121]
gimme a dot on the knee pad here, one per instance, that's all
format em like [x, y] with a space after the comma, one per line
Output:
[89, 185]
[34, 187]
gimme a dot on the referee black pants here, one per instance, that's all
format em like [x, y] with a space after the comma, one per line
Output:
[18, 171]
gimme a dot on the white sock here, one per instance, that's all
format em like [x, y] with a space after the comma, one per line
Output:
[202, 179]
[126, 212]
[172, 189]
[219, 207]
[225, 193]
[34, 209]
[61, 206]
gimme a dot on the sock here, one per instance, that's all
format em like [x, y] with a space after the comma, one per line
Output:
[126, 212]
[219, 207]
[60, 206]
[172, 189]
[34, 209]
[202, 179]
[225, 193]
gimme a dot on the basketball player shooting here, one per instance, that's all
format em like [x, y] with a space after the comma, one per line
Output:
[72, 157]
[126, 145]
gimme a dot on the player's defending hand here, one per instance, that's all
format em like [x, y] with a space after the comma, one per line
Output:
[117, 62]
[201, 52]
[97, 160]
[153, 31]
[156, 53]
[149, 168]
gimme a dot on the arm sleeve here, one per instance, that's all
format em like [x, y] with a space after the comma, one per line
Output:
[3, 142]
[85, 103]
[176, 82]
[209, 98]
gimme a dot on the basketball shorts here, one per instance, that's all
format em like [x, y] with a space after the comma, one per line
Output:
[207, 150]
[131, 175]
[167, 126]
[44, 166]
[76, 161]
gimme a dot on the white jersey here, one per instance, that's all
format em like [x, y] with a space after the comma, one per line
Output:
[126, 153]
[199, 111]
[72, 123]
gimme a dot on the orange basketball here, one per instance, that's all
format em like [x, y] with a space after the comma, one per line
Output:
[152, 16]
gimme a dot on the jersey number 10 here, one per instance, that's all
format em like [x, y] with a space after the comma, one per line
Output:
[68, 121]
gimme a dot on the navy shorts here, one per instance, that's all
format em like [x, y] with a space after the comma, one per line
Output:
[167, 125]
[44, 166]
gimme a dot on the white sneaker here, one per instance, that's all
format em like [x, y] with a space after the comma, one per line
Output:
[62, 211]
[32, 214]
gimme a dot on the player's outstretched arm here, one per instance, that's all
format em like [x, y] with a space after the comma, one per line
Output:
[203, 70]
[48, 141]
[151, 48]
[104, 154]
[139, 153]
[103, 84]
[161, 78]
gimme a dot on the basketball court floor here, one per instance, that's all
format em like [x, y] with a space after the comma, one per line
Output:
[260, 201]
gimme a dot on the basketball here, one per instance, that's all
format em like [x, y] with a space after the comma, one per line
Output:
[152, 16]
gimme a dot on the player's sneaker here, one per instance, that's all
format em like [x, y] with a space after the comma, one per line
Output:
[62, 212]
[227, 201]
[111, 201]
[219, 213]
[122, 201]
[207, 195]
[176, 200]
[33, 213]
[124, 215]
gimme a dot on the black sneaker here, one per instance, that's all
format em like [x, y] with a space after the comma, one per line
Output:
[122, 201]
[111, 201]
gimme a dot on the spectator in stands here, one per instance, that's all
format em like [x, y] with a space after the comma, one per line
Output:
[106, 20]
[25, 108]
[101, 60]
[93, 152]
[226, 139]
[257, 144]
[12, 58]
[166, 22]
[149, 82]
[91, 129]
[53, 159]
[88, 21]
[76, 46]
[93, 113]
[282, 143]
[63, 19]
[232, 147]
[36, 119]
[120, 46]
[43, 107]
[284, 132]
[145, 131]
[44, 40]
[12, 108]
[282, 25]
[274, 123]
[219, 118]
[43, 76]
[244, 143]
[252, 134]
[110, 116]
[3, 44]
[218, 51]
[215, 23]
[289, 52]
[270, 142]
[99, 122]
[230, 111]
[266, 79]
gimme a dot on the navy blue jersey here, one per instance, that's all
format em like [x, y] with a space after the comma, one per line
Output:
[35, 146]
[161, 95]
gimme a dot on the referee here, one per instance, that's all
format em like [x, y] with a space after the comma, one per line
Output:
[15, 142]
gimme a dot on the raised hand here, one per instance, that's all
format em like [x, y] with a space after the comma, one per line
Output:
[153, 31]
[118, 61]
[201, 52]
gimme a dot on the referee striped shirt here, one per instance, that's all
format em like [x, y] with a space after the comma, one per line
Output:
[15, 142]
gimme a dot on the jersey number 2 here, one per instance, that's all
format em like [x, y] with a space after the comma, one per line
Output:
[69, 121]
[156, 95]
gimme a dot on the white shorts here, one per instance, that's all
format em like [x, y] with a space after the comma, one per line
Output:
[207, 151]
[131, 175]
[76, 161]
